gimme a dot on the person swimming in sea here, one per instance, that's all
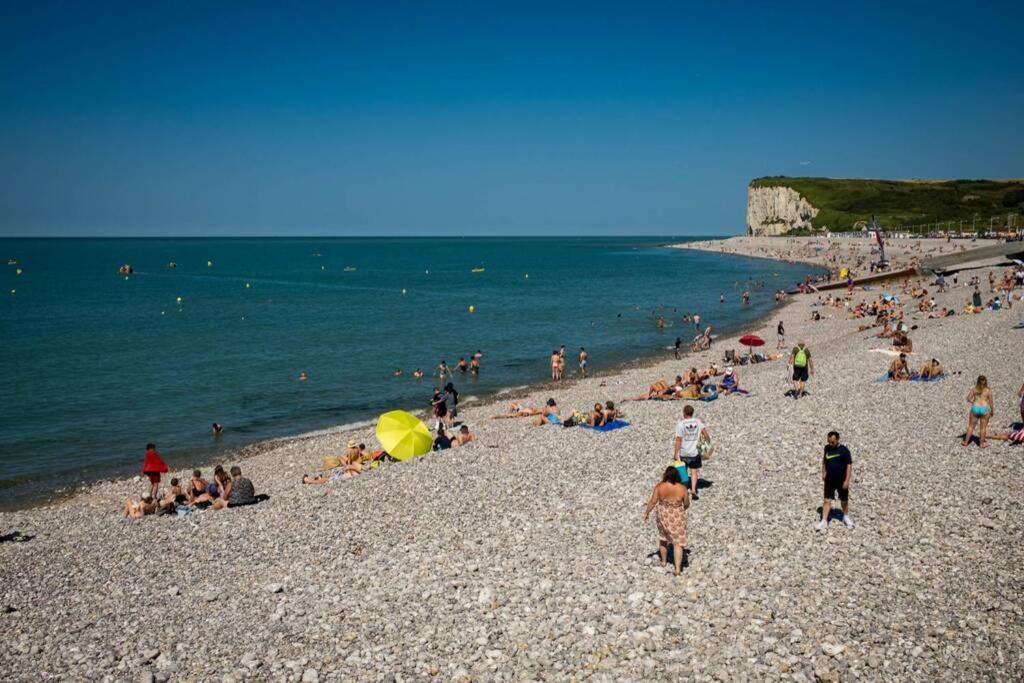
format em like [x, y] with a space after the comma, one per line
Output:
[417, 374]
[303, 376]
[474, 364]
[398, 372]
[462, 365]
[218, 429]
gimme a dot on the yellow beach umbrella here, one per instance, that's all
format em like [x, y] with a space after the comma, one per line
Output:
[403, 435]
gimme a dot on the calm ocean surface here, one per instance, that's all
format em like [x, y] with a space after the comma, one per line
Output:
[94, 365]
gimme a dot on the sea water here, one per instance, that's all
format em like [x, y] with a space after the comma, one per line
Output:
[94, 364]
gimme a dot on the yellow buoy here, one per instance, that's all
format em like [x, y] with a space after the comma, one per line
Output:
[403, 292]
[179, 300]
[247, 285]
[18, 271]
[527, 276]
[209, 264]
[472, 309]
[14, 291]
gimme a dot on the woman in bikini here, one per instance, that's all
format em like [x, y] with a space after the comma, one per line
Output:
[596, 416]
[982, 404]
[196, 487]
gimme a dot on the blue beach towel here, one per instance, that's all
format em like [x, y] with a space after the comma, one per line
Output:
[918, 378]
[611, 426]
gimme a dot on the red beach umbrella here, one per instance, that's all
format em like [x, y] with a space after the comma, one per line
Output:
[750, 340]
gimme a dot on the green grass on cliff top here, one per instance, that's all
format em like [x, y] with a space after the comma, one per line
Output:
[843, 202]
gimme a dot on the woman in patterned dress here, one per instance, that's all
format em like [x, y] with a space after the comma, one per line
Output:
[671, 499]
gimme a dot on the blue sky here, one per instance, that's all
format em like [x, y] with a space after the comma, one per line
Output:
[203, 118]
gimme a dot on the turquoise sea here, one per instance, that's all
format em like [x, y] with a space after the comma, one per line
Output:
[93, 364]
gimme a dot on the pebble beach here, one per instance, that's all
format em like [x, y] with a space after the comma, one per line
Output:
[523, 556]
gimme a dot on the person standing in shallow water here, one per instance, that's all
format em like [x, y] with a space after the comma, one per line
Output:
[671, 499]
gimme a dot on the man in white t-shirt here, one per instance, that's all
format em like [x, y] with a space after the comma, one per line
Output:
[689, 432]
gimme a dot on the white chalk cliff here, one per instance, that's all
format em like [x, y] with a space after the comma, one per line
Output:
[777, 210]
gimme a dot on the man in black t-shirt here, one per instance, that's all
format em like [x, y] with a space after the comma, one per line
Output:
[836, 469]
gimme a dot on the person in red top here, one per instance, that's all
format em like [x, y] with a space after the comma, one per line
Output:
[152, 466]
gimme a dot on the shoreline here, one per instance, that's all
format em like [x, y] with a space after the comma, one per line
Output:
[54, 497]
[31, 496]
[523, 554]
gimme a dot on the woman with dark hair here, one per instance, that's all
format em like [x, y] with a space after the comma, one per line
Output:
[671, 499]
[437, 404]
[451, 402]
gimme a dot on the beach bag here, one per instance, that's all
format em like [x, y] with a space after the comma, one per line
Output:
[683, 474]
[705, 449]
[800, 358]
[330, 462]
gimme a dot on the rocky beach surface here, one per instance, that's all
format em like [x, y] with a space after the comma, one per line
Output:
[522, 556]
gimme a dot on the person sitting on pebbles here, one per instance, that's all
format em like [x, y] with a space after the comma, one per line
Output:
[898, 370]
[610, 413]
[730, 382]
[932, 369]
[238, 491]
[551, 414]
[175, 495]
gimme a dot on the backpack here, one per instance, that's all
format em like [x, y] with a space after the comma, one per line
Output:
[800, 357]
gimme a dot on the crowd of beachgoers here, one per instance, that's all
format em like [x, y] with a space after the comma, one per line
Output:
[535, 535]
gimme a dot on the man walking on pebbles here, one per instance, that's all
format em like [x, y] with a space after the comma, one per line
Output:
[689, 432]
[836, 469]
[803, 367]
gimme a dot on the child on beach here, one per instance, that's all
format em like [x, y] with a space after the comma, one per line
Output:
[152, 467]
[836, 470]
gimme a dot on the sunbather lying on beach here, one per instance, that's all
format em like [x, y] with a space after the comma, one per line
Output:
[136, 509]
[517, 410]
[661, 391]
[462, 437]
[1012, 436]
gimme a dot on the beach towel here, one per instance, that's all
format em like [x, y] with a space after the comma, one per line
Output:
[681, 468]
[609, 427]
[918, 378]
